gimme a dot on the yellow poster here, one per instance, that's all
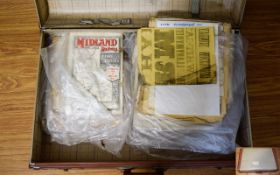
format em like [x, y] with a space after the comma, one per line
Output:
[177, 55]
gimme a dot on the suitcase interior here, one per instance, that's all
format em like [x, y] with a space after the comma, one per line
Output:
[56, 14]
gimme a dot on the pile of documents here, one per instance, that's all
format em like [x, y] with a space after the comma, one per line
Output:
[177, 70]
[183, 72]
[84, 93]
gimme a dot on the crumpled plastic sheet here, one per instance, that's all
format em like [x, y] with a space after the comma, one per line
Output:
[152, 133]
[73, 114]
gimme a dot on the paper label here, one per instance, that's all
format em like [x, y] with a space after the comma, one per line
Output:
[181, 23]
[113, 72]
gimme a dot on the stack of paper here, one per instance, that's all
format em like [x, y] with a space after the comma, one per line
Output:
[184, 74]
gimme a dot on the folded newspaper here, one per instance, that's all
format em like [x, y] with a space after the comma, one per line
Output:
[96, 62]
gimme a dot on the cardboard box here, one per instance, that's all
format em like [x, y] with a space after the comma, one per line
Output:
[67, 14]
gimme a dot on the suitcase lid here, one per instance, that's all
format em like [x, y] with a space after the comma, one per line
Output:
[133, 13]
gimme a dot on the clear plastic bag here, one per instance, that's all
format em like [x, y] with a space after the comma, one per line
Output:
[80, 104]
[160, 135]
[74, 114]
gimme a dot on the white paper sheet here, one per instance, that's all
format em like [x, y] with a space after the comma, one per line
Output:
[202, 100]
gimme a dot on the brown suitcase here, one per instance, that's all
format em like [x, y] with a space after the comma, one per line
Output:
[67, 14]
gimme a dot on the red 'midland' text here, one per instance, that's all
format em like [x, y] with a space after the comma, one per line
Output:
[103, 42]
